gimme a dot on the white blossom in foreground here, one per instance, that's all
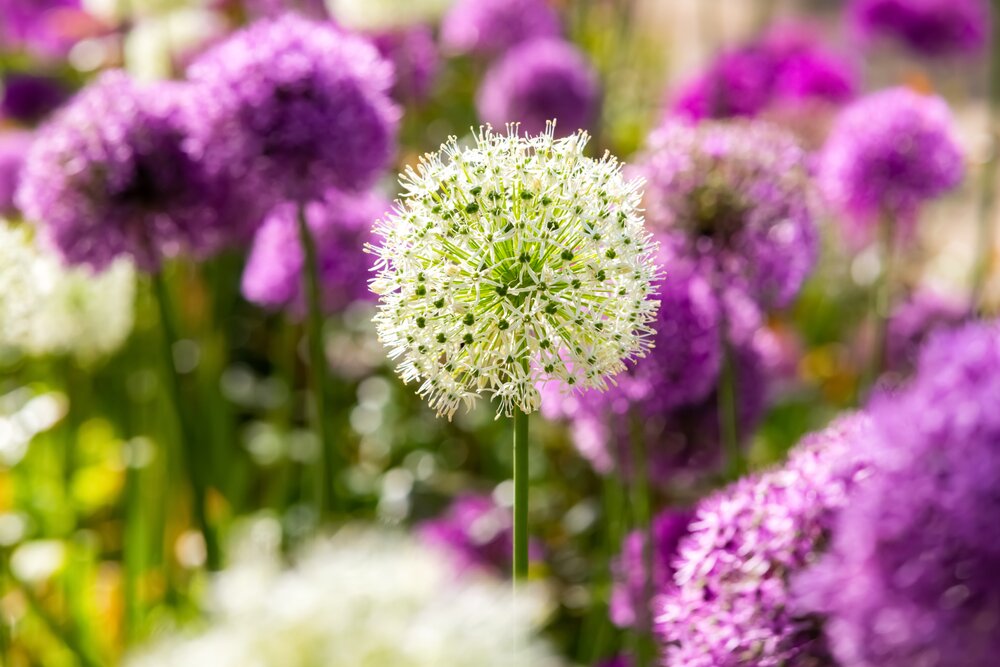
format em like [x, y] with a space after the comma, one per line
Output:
[46, 308]
[363, 598]
[513, 262]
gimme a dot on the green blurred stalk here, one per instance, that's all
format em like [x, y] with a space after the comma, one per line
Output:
[881, 300]
[68, 639]
[189, 441]
[326, 467]
[642, 514]
[736, 464]
[521, 483]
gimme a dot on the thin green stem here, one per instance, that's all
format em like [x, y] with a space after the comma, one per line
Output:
[521, 483]
[882, 300]
[642, 511]
[736, 464]
[326, 468]
[187, 433]
[988, 187]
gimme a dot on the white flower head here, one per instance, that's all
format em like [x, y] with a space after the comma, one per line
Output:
[512, 262]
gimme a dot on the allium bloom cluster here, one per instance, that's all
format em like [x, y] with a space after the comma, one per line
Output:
[292, 107]
[731, 602]
[914, 320]
[912, 573]
[540, 81]
[414, 55]
[13, 146]
[49, 309]
[735, 198]
[928, 27]
[112, 174]
[490, 27]
[341, 225]
[631, 577]
[371, 599]
[887, 154]
[512, 262]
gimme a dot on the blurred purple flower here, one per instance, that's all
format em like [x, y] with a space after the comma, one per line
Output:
[914, 320]
[292, 107]
[912, 573]
[629, 568]
[736, 199]
[888, 154]
[617, 661]
[730, 602]
[539, 81]
[46, 28]
[927, 27]
[112, 174]
[414, 54]
[13, 147]
[490, 27]
[28, 98]
[340, 224]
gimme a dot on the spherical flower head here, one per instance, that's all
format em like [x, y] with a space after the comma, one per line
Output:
[629, 569]
[414, 54]
[13, 146]
[737, 84]
[915, 319]
[888, 154]
[730, 601]
[736, 199]
[341, 225]
[911, 577]
[112, 174]
[292, 107]
[28, 98]
[511, 262]
[927, 27]
[537, 82]
[490, 27]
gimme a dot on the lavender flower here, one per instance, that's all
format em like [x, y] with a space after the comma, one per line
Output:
[729, 604]
[539, 81]
[415, 56]
[911, 577]
[43, 27]
[927, 27]
[112, 174]
[13, 146]
[914, 320]
[489, 27]
[736, 199]
[293, 107]
[341, 225]
[888, 154]
[668, 528]
[28, 98]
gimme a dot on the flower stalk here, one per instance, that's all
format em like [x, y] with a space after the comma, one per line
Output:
[521, 486]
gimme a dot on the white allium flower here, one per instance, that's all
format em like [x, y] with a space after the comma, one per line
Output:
[362, 598]
[510, 263]
[386, 14]
[46, 308]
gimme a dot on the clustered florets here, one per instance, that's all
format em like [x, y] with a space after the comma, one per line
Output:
[511, 262]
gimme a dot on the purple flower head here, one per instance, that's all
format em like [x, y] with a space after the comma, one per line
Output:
[539, 81]
[13, 147]
[888, 154]
[112, 174]
[736, 199]
[737, 84]
[490, 27]
[46, 28]
[477, 532]
[340, 224]
[730, 601]
[415, 56]
[927, 27]
[912, 573]
[28, 98]
[292, 107]
[914, 320]
[629, 567]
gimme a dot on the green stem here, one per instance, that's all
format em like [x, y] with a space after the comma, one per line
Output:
[642, 515]
[326, 468]
[189, 442]
[736, 464]
[521, 483]
[988, 187]
[882, 300]
[82, 653]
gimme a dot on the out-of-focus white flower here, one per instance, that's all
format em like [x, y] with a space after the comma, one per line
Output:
[386, 14]
[46, 308]
[157, 46]
[362, 598]
[37, 561]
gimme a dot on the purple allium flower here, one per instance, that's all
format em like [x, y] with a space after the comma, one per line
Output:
[415, 57]
[729, 604]
[341, 225]
[477, 532]
[886, 155]
[912, 573]
[112, 174]
[292, 107]
[736, 198]
[629, 567]
[13, 147]
[27, 98]
[489, 27]
[914, 320]
[46, 28]
[927, 27]
[539, 81]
